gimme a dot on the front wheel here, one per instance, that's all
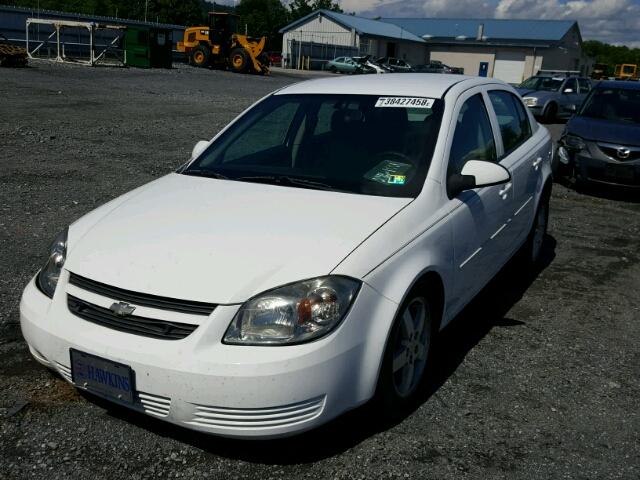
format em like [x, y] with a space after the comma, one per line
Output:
[406, 355]
[550, 113]
[239, 60]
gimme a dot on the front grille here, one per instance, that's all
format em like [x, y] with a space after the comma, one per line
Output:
[612, 151]
[148, 327]
[142, 299]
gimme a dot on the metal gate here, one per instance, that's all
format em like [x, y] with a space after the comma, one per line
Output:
[315, 55]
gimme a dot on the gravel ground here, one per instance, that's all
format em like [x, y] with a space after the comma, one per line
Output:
[538, 378]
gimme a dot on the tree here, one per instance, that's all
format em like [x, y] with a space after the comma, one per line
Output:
[611, 55]
[300, 8]
[263, 18]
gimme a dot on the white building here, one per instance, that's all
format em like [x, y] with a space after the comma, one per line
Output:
[511, 50]
[324, 35]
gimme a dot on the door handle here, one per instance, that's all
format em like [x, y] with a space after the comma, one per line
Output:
[536, 163]
[503, 192]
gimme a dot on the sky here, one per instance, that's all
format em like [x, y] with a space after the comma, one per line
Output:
[611, 21]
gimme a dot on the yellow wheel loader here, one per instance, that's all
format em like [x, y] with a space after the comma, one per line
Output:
[219, 45]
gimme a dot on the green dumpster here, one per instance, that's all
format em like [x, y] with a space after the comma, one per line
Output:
[148, 47]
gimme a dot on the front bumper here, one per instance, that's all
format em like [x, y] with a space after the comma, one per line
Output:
[591, 164]
[200, 383]
[536, 110]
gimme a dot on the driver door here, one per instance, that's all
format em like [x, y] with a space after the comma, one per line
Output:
[479, 217]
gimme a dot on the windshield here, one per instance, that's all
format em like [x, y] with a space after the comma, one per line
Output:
[364, 144]
[542, 83]
[617, 104]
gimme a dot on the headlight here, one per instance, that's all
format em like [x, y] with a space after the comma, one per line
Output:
[564, 156]
[574, 142]
[50, 273]
[530, 101]
[294, 313]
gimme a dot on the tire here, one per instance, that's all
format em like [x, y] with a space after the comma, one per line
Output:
[333, 69]
[200, 56]
[239, 60]
[550, 113]
[406, 355]
[532, 248]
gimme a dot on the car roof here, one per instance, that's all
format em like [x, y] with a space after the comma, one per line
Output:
[401, 84]
[619, 84]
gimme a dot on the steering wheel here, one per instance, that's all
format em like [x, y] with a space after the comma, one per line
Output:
[395, 157]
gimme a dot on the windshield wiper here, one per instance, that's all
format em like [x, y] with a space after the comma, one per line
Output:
[205, 173]
[288, 181]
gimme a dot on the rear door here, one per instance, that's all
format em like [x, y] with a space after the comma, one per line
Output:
[521, 157]
[478, 216]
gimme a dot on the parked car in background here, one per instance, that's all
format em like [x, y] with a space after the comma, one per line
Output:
[370, 66]
[344, 65]
[275, 58]
[553, 97]
[601, 143]
[395, 65]
[303, 261]
[437, 67]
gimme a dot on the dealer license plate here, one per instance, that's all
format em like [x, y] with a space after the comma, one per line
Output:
[108, 379]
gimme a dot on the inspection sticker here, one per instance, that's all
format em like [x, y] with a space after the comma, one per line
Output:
[396, 179]
[405, 102]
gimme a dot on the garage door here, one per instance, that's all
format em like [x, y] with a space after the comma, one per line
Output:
[509, 67]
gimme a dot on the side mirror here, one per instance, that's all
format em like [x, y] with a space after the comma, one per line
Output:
[476, 174]
[200, 147]
[568, 90]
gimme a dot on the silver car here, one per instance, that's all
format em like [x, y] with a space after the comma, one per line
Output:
[550, 98]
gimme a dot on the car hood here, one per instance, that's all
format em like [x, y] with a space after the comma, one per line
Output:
[221, 241]
[540, 94]
[607, 131]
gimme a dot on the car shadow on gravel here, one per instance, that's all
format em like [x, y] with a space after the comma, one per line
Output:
[486, 312]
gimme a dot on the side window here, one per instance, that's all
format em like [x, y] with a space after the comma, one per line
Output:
[513, 121]
[572, 84]
[585, 85]
[473, 137]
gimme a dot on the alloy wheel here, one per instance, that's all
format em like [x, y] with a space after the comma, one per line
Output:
[411, 347]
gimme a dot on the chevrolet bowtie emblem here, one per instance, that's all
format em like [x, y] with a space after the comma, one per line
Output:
[122, 309]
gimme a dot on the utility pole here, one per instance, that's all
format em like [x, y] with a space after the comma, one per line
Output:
[146, 6]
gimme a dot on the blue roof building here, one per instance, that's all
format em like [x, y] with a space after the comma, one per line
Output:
[511, 50]
[496, 30]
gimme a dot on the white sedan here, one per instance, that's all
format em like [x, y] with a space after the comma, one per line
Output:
[303, 261]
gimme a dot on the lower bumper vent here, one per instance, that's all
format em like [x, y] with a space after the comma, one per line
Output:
[252, 418]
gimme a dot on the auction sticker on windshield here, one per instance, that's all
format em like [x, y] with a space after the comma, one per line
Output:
[415, 102]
